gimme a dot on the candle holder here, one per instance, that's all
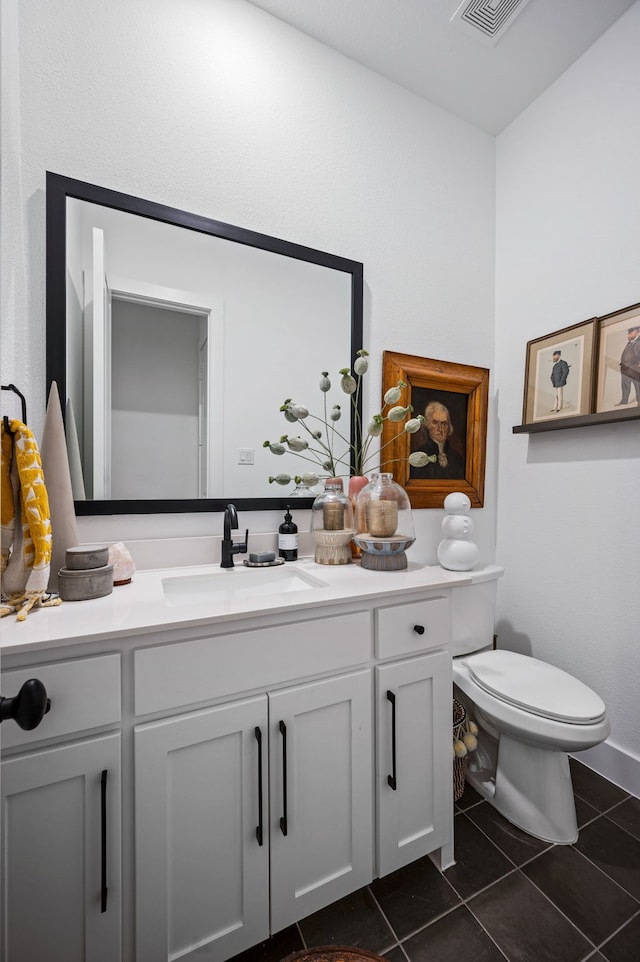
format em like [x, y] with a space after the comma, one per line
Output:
[384, 512]
[332, 525]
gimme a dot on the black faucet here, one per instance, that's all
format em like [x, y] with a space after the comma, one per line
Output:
[229, 548]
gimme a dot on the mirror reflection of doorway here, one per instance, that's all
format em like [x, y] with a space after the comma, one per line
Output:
[158, 441]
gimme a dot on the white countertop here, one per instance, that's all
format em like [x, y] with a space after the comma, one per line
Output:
[142, 607]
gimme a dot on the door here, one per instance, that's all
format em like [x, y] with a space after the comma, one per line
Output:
[321, 794]
[413, 764]
[202, 847]
[61, 853]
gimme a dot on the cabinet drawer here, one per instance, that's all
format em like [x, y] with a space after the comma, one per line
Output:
[177, 675]
[398, 628]
[84, 694]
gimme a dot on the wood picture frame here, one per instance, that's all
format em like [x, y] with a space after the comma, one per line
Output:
[559, 374]
[460, 450]
[616, 386]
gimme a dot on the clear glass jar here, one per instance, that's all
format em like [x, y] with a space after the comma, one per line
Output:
[332, 524]
[332, 510]
[388, 523]
[386, 508]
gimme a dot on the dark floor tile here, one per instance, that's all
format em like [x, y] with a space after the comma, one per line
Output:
[625, 946]
[355, 920]
[593, 788]
[585, 812]
[478, 861]
[516, 844]
[413, 896]
[614, 851]
[525, 925]
[456, 937]
[470, 797]
[627, 816]
[395, 955]
[595, 904]
[274, 949]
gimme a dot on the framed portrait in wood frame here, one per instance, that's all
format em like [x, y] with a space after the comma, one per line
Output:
[559, 373]
[618, 376]
[454, 400]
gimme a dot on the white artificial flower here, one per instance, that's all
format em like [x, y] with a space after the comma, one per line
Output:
[398, 413]
[392, 395]
[413, 424]
[348, 383]
[360, 365]
[297, 444]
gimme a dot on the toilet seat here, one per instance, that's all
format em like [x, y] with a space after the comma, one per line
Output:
[535, 687]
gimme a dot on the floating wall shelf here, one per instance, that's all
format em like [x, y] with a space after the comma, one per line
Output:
[603, 417]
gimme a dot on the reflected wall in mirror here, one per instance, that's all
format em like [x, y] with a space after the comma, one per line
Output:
[174, 339]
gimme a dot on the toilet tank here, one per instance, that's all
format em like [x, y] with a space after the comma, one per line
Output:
[473, 611]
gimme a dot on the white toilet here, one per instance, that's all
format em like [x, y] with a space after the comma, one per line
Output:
[530, 715]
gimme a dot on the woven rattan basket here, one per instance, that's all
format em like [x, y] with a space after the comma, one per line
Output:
[459, 764]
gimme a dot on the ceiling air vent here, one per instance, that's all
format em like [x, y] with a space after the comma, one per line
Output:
[487, 20]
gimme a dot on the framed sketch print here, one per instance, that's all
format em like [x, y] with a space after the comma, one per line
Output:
[453, 398]
[559, 371]
[618, 379]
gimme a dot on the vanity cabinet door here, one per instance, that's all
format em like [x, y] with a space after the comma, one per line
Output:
[202, 846]
[413, 759]
[61, 853]
[321, 794]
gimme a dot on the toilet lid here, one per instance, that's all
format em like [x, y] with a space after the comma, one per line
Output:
[536, 687]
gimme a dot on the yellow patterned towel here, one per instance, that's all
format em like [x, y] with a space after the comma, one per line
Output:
[26, 526]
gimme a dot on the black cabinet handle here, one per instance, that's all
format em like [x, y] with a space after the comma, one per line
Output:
[391, 779]
[419, 629]
[28, 707]
[260, 827]
[283, 820]
[103, 841]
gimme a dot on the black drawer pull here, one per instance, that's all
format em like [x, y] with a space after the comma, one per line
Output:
[103, 841]
[259, 828]
[419, 629]
[28, 707]
[283, 821]
[391, 779]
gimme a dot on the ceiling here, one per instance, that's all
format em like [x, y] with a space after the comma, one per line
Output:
[415, 44]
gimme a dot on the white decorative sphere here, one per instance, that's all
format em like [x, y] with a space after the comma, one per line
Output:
[456, 526]
[457, 555]
[457, 503]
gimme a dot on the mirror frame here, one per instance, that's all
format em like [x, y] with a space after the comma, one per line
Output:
[58, 189]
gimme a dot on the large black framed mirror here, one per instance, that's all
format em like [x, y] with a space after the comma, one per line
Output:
[174, 339]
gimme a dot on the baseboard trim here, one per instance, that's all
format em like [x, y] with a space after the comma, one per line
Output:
[614, 763]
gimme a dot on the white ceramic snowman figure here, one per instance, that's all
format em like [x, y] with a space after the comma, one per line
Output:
[456, 552]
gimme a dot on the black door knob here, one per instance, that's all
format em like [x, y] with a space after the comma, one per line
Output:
[28, 707]
[419, 629]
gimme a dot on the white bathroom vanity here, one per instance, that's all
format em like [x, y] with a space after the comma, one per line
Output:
[227, 752]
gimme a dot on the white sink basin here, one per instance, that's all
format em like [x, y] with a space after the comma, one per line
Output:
[237, 583]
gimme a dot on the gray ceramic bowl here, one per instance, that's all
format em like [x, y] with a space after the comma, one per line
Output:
[83, 556]
[86, 584]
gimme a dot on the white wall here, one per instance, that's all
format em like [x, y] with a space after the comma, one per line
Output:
[568, 210]
[213, 106]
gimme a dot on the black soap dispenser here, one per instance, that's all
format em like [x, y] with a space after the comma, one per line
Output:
[288, 538]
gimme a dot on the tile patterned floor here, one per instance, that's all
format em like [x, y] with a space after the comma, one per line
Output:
[508, 897]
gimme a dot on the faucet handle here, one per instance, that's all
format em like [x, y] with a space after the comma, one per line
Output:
[244, 546]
